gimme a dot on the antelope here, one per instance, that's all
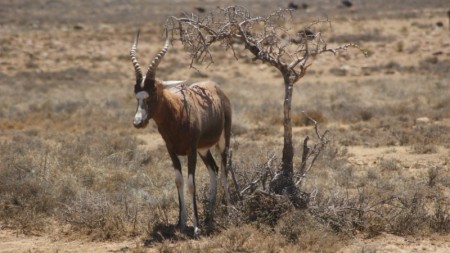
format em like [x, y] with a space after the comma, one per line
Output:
[191, 120]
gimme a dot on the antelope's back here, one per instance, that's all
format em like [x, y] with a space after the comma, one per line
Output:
[212, 109]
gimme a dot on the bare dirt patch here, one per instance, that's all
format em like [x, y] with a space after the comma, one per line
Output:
[13, 241]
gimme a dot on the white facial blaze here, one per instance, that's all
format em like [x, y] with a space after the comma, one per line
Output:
[141, 112]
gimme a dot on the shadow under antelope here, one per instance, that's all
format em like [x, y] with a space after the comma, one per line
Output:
[191, 119]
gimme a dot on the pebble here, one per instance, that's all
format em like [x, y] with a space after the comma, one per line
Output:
[423, 120]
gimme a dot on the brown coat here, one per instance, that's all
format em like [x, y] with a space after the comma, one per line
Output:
[193, 115]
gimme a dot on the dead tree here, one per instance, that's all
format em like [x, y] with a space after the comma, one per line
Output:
[271, 40]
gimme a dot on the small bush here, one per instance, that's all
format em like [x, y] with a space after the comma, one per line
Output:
[423, 149]
[440, 219]
[374, 36]
[266, 209]
[390, 164]
[433, 174]
[409, 214]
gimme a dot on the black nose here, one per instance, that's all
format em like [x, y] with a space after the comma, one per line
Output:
[140, 124]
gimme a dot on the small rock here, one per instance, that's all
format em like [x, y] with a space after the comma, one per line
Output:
[423, 120]
[200, 9]
[341, 71]
[347, 3]
[78, 27]
[262, 67]
[293, 6]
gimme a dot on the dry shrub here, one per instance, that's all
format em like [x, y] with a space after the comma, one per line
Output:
[432, 134]
[388, 68]
[434, 65]
[378, 203]
[374, 36]
[28, 193]
[389, 164]
[267, 113]
[265, 208]
[305, 230]
[251, 238]
[423, 149]
[91, 211]
[409, 215]
[433, 174]
[440, 218]
[352, 112]
[83, 180]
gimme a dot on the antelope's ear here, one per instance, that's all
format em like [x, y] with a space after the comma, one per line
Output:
[171, 83]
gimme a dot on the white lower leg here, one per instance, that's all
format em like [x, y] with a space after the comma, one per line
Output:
[212, 188]
[180, 187]
[191, 188]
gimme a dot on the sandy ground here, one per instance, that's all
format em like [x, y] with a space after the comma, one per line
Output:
[11, 241]
[391, 243]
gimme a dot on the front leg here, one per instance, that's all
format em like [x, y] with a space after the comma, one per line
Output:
[179, 182]
[192, 162]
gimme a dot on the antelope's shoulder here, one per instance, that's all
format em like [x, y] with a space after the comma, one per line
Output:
[204, 87]
[204, 84]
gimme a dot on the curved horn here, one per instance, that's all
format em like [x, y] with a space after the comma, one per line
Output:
[137, 68]
[154, 65]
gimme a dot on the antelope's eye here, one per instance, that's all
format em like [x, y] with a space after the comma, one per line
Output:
[142, 95]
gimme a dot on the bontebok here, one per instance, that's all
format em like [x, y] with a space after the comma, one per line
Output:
[191, 119]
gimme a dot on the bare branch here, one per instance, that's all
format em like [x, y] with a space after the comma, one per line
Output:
[342, 47]
[267, 38]
[311, 154]
[261, 177]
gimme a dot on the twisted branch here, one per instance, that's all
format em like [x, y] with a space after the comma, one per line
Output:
[270, 39]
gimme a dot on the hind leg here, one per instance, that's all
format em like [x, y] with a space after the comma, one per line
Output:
[223, 146]
[212, 169]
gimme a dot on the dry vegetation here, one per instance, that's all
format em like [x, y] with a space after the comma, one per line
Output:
[72, 166]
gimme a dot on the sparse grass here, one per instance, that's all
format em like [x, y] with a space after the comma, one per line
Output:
[69, 154]
[389, 164]
[373, 36]
[423, 149]
[89, 182]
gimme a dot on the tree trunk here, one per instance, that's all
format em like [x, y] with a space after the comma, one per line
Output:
[288, 148]
[283, 182]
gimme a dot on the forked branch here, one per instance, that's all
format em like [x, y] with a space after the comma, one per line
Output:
[270, 39]
[310, 154]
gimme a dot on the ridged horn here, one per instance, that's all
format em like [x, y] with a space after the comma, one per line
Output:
[133, 50]
[154, 65]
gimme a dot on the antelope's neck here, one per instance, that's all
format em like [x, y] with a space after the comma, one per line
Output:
[173, 123]
[166, 108]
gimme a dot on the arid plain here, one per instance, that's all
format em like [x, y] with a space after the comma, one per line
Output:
[75, 176]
